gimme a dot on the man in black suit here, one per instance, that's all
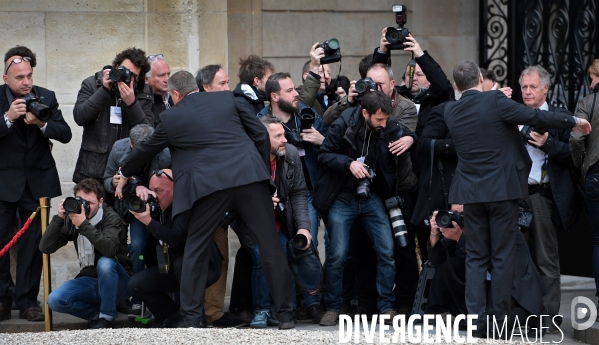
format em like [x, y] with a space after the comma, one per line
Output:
[492, 174]
[220, 159]
[27, 173]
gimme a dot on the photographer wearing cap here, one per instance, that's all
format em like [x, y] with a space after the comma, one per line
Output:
[28, 172]
[156, 85]
[163, 273]
[359, 173]
[101, 245]
[108, 109]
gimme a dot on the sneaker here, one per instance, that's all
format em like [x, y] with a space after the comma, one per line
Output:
[226, 322]
[392, 313]
[100, 324]
[330, 318]
[315, 313]
[259, 320]
[134, 311]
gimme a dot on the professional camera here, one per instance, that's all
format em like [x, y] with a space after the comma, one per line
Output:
[331, 51]
[307, 118]
[299, 242]
[525, 132]
[136, 204]
[364, 86]
[398, 225]
[397, 36]
[120, 73]
[73, 205]
[444, 219]
[99, 76]
[294, 138]
[36, 107]
[363, 189]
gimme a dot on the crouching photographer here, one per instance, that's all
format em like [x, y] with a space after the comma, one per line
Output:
[163, 253]
[447, 253]
[293, 224]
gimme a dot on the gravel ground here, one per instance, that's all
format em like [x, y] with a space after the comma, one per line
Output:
[133, 336]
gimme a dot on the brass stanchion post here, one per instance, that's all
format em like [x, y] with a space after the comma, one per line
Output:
[45, 219]
[418, 254]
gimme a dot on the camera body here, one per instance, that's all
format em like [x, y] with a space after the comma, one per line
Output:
[364, 86]
[307, 118]
[120, 73]
[397, 36]
[525, 132]
[398, 224]
[35, 106]
[136, 204]
[294, 138]
[444, 218]
[332, 53]
[73, 205]
[363, 188]
[99, 76]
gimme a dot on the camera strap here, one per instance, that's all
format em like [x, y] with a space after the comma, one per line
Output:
[295, 259]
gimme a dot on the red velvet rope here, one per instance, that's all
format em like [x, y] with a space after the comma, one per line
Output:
[18, 235]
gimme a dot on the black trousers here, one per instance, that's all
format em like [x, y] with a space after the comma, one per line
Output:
[491, 246]
[241, 288]
[154, 288]
[254, 205]
[446, 292]
[29, 257]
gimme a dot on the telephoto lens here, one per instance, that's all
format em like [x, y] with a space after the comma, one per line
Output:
[307, 118]
[398, 225]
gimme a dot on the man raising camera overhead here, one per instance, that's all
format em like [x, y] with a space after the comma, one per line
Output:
[27, 173]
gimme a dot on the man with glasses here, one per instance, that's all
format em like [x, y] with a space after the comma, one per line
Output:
[27, 172]
[156, 85]
[101, 245]
[108, 110]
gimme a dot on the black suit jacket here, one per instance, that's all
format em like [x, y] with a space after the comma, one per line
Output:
[493, 163]
[215, 144]
[26, 157]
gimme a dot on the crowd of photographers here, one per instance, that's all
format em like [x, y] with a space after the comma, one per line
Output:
[372, 161]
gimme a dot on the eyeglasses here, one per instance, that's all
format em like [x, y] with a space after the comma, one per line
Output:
[155, 57]
[16, 61]
[160, 172]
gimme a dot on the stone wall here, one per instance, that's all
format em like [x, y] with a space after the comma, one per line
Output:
[74, 39]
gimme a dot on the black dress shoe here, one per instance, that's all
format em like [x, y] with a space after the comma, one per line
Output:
[286, 325]
[173, 321]
[32, 314]
[202, 323]
[100, 324]
[315, 313]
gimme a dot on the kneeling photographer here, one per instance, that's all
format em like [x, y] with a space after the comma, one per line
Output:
[447, 253]
[293, 224]
[127, 191]
[164, 251]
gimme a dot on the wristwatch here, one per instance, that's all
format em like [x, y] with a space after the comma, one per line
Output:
[6, 118]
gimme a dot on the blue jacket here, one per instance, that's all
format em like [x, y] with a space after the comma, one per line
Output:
[311, 150]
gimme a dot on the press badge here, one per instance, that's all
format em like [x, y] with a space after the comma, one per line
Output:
[116, 115]
[301, 151]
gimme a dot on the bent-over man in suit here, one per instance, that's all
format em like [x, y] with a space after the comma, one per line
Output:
[492, 174]
[27, 173]
[220, 160]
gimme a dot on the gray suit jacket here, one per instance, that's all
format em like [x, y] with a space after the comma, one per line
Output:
[493, 164]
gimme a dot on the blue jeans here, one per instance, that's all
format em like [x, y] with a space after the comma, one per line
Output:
[314, 219]
[86, 297]
[376, 222]
[591, 196]
[308, 270]
[137, 231]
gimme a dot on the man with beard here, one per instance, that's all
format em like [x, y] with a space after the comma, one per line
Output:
[284, 104]
[358, 152]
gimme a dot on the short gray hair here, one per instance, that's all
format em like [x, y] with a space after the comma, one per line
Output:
[154, 60]
[544, 76]
[140, 133]
[270, 119]
[183, 82]
[466, 75]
